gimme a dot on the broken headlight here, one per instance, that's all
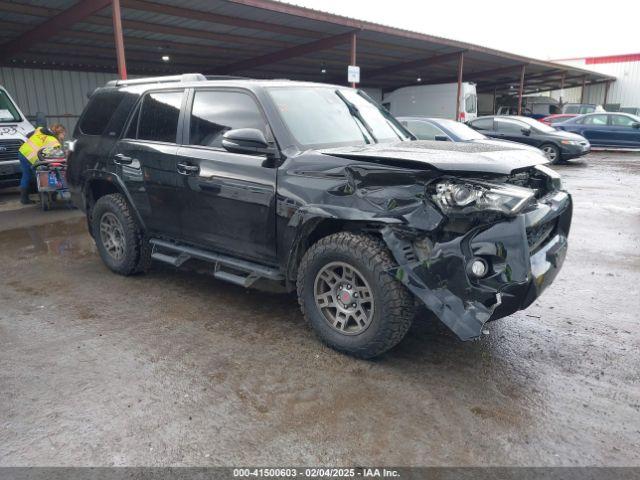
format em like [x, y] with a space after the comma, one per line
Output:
[553, 177]
[467, 197]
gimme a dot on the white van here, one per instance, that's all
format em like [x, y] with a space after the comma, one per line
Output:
[433, 101]
[14, 127]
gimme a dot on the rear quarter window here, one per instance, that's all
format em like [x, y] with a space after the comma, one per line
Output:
[99, 111]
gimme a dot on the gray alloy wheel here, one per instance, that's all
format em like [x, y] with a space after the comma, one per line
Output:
[551, 152]
[344, 298]
[112, 236]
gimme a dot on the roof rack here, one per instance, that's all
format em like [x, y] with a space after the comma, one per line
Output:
[185, 77]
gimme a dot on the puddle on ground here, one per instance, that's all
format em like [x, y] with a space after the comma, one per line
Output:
[62, 239]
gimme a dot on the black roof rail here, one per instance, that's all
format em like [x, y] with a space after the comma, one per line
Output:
[226, 77]
[185, 77]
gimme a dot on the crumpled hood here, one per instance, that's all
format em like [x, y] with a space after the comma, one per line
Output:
[445, 156]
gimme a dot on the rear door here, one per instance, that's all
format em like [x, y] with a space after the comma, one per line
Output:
[145, 160]
[229, 198]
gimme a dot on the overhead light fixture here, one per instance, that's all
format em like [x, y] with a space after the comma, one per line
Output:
[166, 58]
[419, 79]
[323, 69]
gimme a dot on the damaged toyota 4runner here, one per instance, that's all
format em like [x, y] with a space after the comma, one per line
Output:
[317, 188]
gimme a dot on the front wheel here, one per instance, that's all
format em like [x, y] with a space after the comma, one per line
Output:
[351, 301]
[552, 152]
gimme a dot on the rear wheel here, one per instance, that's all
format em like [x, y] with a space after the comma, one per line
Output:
[351, 301]
[117, 234]
[551, 152]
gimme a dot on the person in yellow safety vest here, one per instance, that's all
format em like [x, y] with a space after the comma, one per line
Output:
[42, 137]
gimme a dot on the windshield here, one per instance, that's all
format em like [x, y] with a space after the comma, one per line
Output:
[461, 130]
[542, 127]
[8, 111]
[333, 116]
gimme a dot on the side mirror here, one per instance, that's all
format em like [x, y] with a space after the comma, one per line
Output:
[41, 120]
[635, 125]
[526, 132]
[246, 140]
[441, 138]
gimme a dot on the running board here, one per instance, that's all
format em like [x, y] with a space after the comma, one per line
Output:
[181, 253]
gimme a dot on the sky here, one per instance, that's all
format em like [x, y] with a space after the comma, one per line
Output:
[543, 29]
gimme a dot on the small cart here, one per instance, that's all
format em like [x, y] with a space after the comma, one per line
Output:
[51, 176]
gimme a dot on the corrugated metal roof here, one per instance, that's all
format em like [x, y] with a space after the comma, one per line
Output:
[211, 35]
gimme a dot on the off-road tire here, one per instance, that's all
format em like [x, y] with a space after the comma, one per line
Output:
[394, 306]
[117, 205]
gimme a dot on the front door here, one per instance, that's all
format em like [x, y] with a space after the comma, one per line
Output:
[145, 160]
[624, 131]
[229, 198]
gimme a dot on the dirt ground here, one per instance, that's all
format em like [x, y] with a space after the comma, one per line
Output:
[176, 368]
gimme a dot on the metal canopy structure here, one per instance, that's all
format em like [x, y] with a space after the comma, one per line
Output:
[257, 38]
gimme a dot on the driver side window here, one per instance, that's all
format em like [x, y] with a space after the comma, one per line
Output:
[509, 126]
[215, 112]
[621, 121]
[424, 130]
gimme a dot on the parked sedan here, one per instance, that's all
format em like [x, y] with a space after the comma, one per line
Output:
[557, 145]
[617, 130]
[442, 129]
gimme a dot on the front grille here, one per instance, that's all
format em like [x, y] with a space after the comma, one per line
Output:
[539, 235]
[9, 150]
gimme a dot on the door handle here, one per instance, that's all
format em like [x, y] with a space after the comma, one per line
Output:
[122, 159]
[187, 169]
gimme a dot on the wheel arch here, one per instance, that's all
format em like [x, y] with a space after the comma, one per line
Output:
[318, 228]
[100, 184]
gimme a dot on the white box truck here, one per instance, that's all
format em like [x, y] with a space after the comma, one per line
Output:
[14, 127]
[433, 101]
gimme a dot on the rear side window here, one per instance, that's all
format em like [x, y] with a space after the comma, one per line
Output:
[483, 124]
[101, 108]
[217, 112]
[595, 120]
[159, 117]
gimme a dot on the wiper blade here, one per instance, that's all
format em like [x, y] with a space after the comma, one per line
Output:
[355, 113]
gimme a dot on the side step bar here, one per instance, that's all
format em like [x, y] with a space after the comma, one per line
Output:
[181, 253]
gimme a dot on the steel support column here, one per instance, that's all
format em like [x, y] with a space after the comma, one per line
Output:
[460, 68]
[584, 85]
[353, 57]
[495, 94]
[521, 90]
[564, 74]
[119, 39]
[606, 93]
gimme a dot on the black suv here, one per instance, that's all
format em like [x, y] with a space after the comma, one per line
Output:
[318, 188]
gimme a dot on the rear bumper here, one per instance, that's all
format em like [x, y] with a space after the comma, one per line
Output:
[524, 255]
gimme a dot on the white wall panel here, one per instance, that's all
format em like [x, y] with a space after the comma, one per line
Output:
[60, 94]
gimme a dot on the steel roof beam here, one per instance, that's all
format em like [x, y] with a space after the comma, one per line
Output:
[287, 53]
[182, 12]
[52, 27]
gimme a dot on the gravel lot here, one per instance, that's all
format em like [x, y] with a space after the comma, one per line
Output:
[176, 368]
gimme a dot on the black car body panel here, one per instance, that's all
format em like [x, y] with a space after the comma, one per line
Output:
[269, 209]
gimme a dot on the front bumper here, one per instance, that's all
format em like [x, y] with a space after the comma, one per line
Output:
[10, 173]
[524, 254]
[574, 151]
